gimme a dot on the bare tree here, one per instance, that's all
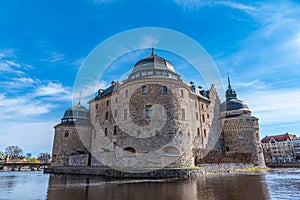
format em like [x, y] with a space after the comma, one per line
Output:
[44, 157]
[28, 155]
[13, 151]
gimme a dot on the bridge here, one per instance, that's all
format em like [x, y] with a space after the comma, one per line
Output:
[20, 166]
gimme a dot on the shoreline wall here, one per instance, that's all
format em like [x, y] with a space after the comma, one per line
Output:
[160, 173]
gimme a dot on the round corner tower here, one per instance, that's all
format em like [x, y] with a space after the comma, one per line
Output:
[240, 133]
[72, 137]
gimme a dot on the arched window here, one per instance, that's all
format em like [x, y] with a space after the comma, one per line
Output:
[129, 149]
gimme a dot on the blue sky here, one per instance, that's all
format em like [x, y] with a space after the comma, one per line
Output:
[43, 43]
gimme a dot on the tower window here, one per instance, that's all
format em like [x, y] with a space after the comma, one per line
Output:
[181, 93]
[96, 106]
[197, 116]
[106, 116]
[116, 99]
[116, 113]
[165, 89]
[144, 89]
[148, 111]
[107, 102]
[240, 135]
[207, 116]
[204, 132]
[66, 133]
[126, 93]
[203, 118]
[202, 106]
[183, 114]
[105, 131]
[125, 114]
[227, 148]
[115, 130]
[198, 132]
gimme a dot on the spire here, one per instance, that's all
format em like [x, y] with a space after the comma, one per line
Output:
[79, 97]
[229, 86]
[152, 53]
[230, 93]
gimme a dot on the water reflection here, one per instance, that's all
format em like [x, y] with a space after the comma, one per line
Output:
[219, 186]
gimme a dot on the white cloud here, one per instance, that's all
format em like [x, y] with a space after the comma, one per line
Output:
[274, 106]
[51, 89]
[195, 4]
[19, 107]
[54, 57]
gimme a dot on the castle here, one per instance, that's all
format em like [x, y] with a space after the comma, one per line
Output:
[154, 119]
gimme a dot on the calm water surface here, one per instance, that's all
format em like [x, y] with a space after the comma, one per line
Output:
[272, 184]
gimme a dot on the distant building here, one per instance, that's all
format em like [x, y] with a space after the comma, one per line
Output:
[279, 148]
[123, 123]
[296, 144]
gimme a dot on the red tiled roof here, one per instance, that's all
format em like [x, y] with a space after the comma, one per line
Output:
[279, 138]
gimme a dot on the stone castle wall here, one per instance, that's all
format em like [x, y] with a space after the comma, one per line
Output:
[69, 140]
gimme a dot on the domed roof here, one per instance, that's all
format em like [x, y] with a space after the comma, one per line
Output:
[233, 104]
[76, 112]
[153, 61]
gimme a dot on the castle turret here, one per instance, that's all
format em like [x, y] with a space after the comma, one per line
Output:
[72, 138]
[240, 131]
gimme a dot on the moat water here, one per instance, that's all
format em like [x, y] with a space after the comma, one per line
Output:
[273, 184]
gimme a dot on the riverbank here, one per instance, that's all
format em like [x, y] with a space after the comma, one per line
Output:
[283, 165]
[155, 173]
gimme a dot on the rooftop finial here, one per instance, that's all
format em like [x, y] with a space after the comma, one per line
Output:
[229, 86]
[152, 53]
[79, 97]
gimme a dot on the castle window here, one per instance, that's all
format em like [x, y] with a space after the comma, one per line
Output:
[129, 150]
[240, 135]
[125, 114]
[66, 133]
[150, 73]
[106, 116]
[115, 130]
[197, 116]
[144, 89]
[181, 93]
[116, 113]
[107, 102]
[126, 93]
[105, 131]
[183, 114]
[203, 118]
[204, 132]
[164, 89]
[227, 148]
[198, 132]
[148, 111]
